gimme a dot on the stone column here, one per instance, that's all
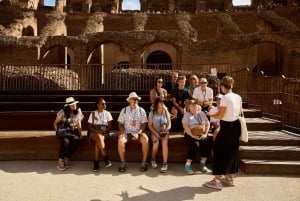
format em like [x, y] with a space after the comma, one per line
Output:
[59, 5]
[200, 5]
[172, 6]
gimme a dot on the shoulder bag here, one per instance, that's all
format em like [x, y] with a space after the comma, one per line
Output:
[244, 130]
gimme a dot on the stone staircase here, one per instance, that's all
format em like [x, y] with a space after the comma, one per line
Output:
[26, 133]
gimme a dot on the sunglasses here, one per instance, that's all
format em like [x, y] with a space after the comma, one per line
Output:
[203, 83]
[160, 81]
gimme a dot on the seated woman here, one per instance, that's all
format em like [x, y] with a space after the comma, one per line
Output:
[99, 125]
[196, 138]
[71, 116]
[158, 91]
[159, 123]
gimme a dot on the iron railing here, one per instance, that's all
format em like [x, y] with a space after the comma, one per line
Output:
[97, 77]
[276, 96]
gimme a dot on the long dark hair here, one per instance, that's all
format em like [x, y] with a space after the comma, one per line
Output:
[67, 110]
[157, 100]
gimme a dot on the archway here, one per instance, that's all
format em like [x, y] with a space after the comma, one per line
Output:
[267, 57]
[28, 31]
[159, 60]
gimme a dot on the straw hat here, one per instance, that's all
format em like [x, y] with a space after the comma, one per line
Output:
[133, 95]
[71, 101]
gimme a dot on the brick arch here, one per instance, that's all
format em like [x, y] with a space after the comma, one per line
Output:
[275, 39]
[272, 52]
[169, 48]
[96, 45]
[55, 41]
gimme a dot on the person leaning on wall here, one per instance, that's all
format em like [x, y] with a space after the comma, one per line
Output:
[99, 125]
[71, 116]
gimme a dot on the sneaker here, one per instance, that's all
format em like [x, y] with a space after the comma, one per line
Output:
[61, 165]
[153, 163]
[107, 162]
[67, 163]
[213, 184]
[96, 166]
[203, 167]
[144, 167]
[188, 169]
[122, 167]
[227, 181]
[164, 168]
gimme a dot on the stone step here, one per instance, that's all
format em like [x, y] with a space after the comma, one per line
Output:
[272, 138]
[43, 120]
[270, 152]
[263, 124]
[277, 167]
[43, 145]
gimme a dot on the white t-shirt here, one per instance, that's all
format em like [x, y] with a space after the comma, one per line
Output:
[214, 110]
[132, 118]
[232, 102]
[100, 118]
[203, 95]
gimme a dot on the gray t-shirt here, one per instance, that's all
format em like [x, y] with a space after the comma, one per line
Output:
[194, 120]
[159, 120]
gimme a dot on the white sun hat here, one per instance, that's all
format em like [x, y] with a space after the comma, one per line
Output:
[133, 95]
[71, 101]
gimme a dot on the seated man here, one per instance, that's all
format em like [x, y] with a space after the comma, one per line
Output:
[132, 124]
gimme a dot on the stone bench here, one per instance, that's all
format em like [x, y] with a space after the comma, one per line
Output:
[43, 145]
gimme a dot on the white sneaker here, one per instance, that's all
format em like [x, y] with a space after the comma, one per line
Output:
[164, 168]
[153, 163]
[213, 184]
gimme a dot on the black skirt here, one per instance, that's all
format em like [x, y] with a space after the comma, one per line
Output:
[226, 148]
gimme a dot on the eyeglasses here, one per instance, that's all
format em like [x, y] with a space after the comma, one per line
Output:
[203, 83]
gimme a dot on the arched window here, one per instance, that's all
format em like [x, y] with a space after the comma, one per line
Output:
[241, 2]
[131, 5]
[50, 3]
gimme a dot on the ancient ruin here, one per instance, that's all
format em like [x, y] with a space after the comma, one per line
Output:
[264, 36]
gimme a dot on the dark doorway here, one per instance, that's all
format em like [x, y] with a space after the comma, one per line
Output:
[159, 60]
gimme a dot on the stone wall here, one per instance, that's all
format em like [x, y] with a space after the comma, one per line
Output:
[216, 37]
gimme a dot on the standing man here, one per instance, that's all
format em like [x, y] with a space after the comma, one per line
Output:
[132, 124]
[203, 95]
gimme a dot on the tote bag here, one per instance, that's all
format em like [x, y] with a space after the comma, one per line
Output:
[244, 130]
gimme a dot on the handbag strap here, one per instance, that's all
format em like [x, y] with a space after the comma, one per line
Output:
[242, 113]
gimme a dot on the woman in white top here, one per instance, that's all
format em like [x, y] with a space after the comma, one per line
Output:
[226, 145]
[70, 116]
[99, 125]
[203, 94]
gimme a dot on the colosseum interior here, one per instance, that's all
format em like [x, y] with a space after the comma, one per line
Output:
[264, 36]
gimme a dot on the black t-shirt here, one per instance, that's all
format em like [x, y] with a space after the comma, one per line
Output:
[181, 95]
[169, 86]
